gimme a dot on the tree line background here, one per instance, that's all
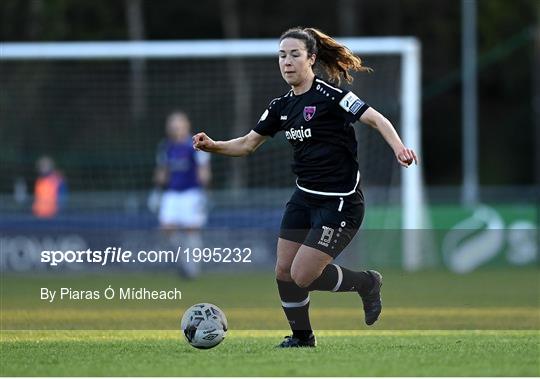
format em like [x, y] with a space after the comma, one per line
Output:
[508, 57]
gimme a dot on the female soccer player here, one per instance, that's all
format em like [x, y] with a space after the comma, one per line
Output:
[327, 208]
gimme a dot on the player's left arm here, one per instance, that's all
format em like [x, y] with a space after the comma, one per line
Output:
[404, 155]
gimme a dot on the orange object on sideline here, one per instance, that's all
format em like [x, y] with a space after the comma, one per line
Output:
[46, 195]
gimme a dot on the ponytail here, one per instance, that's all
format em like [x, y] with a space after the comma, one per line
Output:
[335, 59]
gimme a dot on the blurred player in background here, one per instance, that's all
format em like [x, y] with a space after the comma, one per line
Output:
[327, 208]
[183, 174]
[50, 189]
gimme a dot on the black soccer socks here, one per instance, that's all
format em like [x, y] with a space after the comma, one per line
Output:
[295, 302]
[339, 279]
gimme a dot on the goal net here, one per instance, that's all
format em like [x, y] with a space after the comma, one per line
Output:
[99, 109]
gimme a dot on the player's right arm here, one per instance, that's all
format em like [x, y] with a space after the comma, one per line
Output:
[237, 147]
[267, 126]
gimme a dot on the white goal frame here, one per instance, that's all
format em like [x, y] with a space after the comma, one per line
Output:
[407, 48]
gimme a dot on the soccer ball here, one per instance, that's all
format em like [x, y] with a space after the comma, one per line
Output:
[204, 325]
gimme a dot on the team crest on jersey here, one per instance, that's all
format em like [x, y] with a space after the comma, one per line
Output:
[309, 112]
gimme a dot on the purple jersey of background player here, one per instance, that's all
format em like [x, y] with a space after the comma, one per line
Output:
[181, 162]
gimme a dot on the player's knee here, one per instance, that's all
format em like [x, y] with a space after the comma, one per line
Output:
[301, 279]
[283, 273]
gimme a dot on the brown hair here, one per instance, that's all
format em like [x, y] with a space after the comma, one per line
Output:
[336, 59]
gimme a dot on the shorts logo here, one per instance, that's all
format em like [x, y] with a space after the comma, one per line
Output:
[326, 236]
[309, 112]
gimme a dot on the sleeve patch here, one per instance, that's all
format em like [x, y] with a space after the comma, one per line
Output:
[264, 115]
[351, 103]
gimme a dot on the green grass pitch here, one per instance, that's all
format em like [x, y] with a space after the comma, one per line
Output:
[251, 353]
[433, 324]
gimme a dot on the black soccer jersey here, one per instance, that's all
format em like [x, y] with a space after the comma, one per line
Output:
[317, 123]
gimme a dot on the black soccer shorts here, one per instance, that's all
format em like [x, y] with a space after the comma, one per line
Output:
[325, 223]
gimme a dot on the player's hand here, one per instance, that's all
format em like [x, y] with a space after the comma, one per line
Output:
[406, 157]
[202, 142]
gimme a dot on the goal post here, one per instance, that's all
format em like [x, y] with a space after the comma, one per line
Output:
[406, 103]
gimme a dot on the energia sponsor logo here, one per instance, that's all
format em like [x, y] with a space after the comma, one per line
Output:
[298, 134]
